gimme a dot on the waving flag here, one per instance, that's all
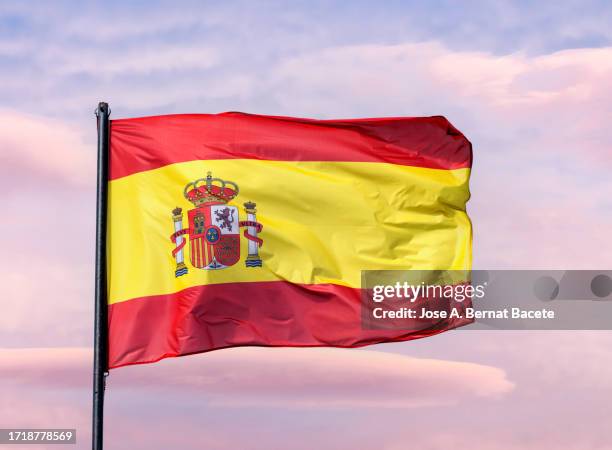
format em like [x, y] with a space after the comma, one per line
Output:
[235, 229]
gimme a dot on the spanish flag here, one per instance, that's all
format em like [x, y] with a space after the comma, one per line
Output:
[244, 230]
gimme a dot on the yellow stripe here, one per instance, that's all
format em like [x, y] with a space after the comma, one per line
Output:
[323, 222]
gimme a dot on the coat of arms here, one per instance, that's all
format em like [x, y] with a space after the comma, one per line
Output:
[214, 227]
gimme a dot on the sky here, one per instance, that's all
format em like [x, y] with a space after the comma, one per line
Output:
[529, 83]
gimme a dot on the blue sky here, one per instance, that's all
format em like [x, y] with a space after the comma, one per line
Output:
[74, 43]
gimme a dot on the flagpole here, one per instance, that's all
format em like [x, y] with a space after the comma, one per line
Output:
[100, 363]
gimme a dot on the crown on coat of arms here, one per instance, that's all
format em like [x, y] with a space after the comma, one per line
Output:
[209, 189]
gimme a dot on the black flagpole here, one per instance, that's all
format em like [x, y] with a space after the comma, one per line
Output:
[100, 366]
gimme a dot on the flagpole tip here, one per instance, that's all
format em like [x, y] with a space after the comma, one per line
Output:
[102, 109]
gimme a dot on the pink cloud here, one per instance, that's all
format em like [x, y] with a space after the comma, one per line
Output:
[190, 396]
[47, 301]
[503, 439]
[274, 377]
[563, 97]
[574, 359]
[50, 387]
[35, 149]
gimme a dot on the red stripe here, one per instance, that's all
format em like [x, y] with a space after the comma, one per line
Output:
[150, 142]
[201, 257]
[278, 313]
[194, 253]
[206, 252]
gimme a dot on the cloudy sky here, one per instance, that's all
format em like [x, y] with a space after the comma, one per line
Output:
[530, 84]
